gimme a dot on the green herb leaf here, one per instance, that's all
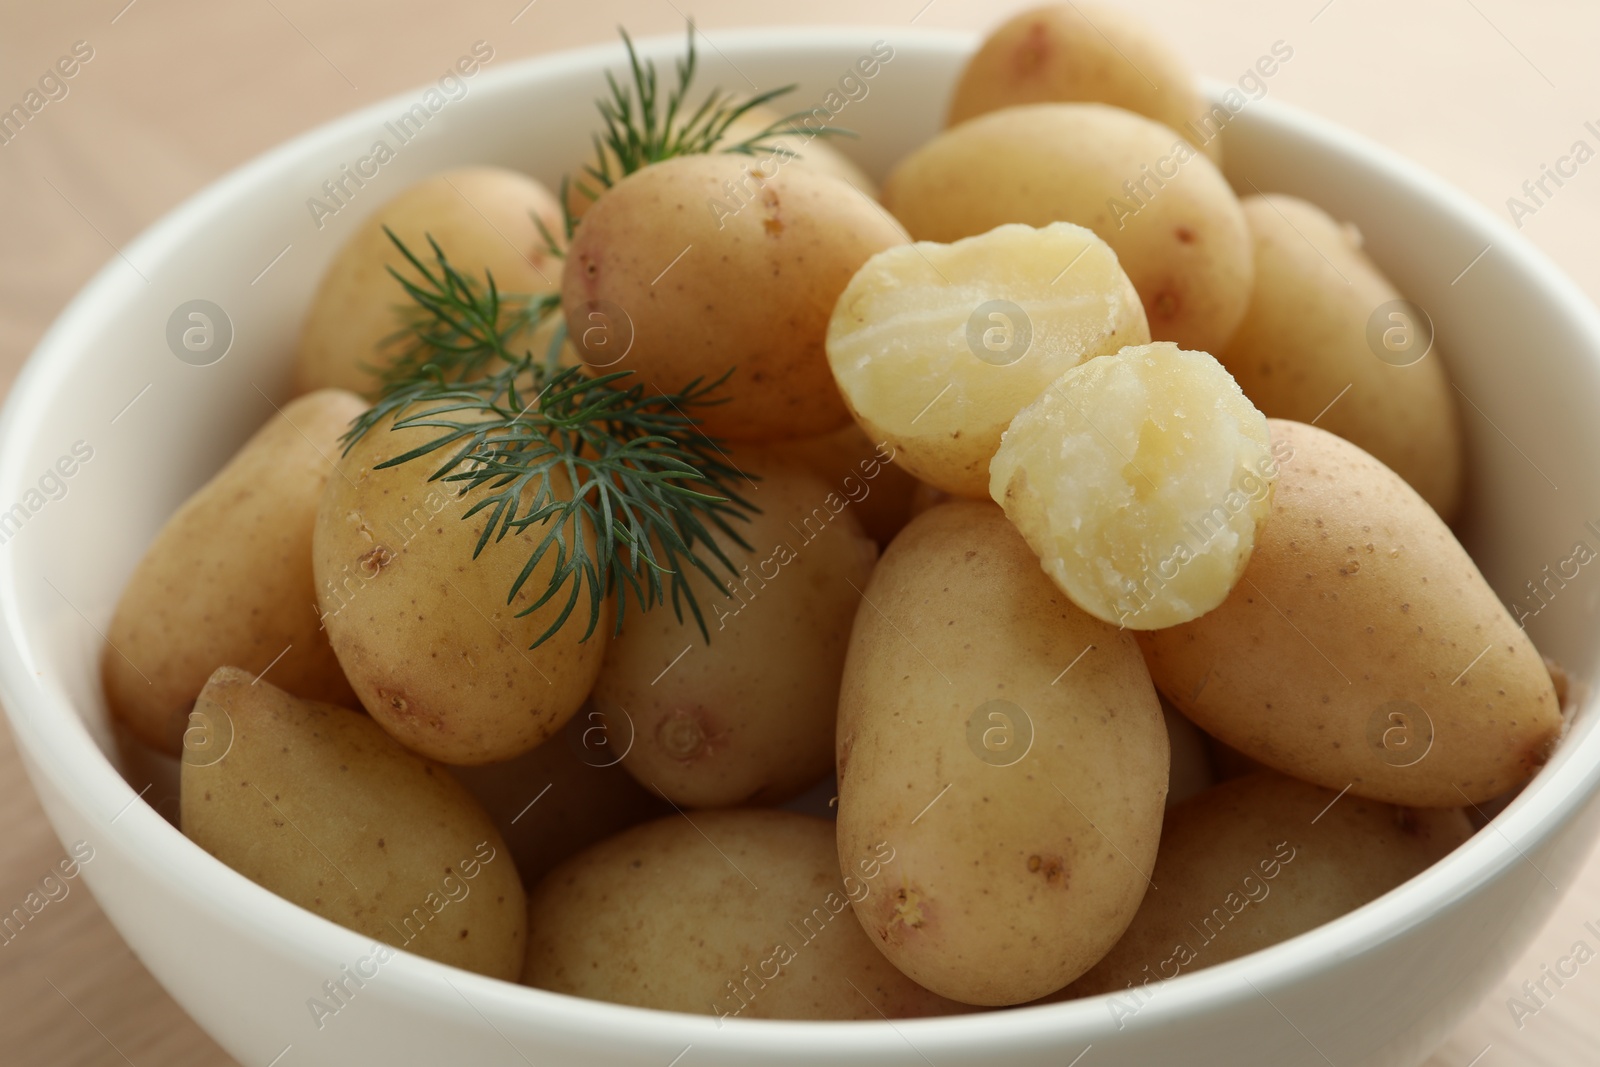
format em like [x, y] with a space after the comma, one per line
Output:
[639, 130]
[624, 485]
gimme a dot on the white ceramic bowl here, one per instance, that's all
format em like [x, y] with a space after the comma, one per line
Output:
[1381, 986]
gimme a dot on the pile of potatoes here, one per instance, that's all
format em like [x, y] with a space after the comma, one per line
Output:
[1110, 665]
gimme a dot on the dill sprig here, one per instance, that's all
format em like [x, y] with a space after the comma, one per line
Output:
[456, 327]
[427, 338]
[623, 483]
[639, 130]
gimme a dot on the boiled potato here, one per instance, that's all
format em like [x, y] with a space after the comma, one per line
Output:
[541, 336]
[936, 347]
[228, 580]
[1141, 480]
[803, 150]
[1192, 769]
[709, 269]
[423, 629]
[1325, 338]
[1257, 860]
[1009, 748]
[565, 795]
[1229, 761]
[1362, 647]
[1087, 52]
[483, 218]
[737, 914]
[810, 152]
[865, 472]
[1164, 209]
[749, 717]
[319, 805]
[925, 496]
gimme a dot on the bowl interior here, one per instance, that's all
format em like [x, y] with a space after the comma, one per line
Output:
[1521, 344]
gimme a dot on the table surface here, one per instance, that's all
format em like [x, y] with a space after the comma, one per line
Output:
[1484, 92]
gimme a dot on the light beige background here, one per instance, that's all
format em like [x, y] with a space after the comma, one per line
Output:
[1483, 92]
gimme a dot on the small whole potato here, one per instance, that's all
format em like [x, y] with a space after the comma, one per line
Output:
[1009, 748]
[865, 472]
[1327, 337]
[1229, 761]
[798, 145]
[1192, 769]
[423, 629]
[227, 581]
[1091, 53]
[1164, 209]
[567, 794]
[748, 717]
[1141, 479]
[1362, 648]
[1257, 860]
[804, 147]
[925, 496]
[936, 347]
[736, 914]
[483, 219]
[703, 265]
[319, 805]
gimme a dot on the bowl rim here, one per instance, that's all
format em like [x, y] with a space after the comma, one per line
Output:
[56, 743]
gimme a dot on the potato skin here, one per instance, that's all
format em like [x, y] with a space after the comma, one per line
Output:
[863, 470]
[557, 800]
[1257, 860]
[815, 153]
[753, 292]
[1004, 891]
[1090, 53]
[1357, 600]
[1303, 341]
[319, 805]
[227, 580]
[668, 915]
[1192, 767]
[423, 629]
[749, 717]
[818, 153]
[483, 219]
[1184, 244]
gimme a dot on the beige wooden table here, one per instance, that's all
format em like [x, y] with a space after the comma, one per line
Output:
[1484, 92]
